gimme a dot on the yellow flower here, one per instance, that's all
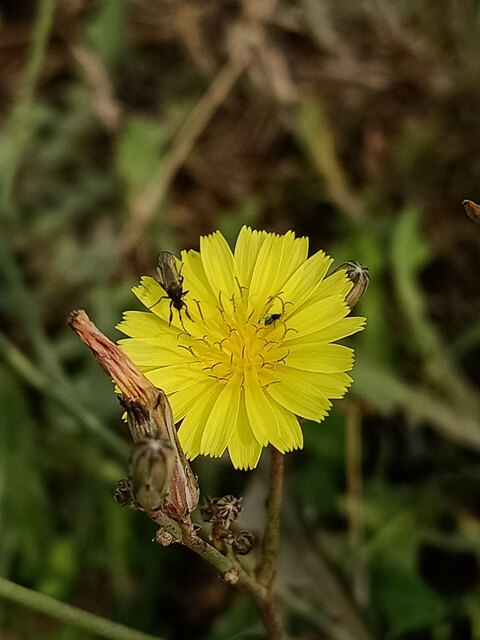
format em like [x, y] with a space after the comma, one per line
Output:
[258, 350]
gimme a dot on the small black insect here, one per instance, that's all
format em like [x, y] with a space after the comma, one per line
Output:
[172, 281]
[272, 318]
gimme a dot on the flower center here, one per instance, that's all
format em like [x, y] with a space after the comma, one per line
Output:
[237, 338]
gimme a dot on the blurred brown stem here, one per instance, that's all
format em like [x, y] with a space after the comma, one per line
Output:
[265, 571]
[354, 507]
[266, 566]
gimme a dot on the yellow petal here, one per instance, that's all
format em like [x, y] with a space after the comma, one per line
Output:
[222, 419]
[183, 400]
[278, 258]
[298, 395]
[314, 317]
[152, 352]
[331, 385]
[290, 434]
[243, 448]
[142, 324]
[218, 263]
[191, 430]
[306, 278]
[259, 410]
[175, 377]
[336, 331]
[337, 283]
[325, 358]
[196, 282]
[247, 248]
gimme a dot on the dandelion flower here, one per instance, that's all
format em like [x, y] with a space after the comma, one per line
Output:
[257, 350]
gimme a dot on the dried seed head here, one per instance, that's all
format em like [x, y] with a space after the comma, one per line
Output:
[223, 511]
[228, 509]
[123, 492]
[243, 542]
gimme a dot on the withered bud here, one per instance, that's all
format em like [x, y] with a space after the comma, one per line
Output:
[472, 209]
[164, 537]
[149, 414]
[231, 576]
[243, 542]
[360, 276]
[123, 492]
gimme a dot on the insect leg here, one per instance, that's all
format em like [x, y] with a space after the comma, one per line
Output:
[159, 300]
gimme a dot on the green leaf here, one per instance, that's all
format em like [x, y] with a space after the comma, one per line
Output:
[401, 596]
[106, 31]
[139, 151]
[24, 517]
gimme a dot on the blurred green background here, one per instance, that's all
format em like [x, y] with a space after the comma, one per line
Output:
[139, 126]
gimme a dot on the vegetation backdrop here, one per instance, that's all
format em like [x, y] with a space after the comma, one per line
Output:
[129, 127]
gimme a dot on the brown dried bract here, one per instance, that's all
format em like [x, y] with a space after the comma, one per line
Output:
[149, 413]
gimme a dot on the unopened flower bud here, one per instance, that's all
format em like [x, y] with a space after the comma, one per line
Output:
[360, 276]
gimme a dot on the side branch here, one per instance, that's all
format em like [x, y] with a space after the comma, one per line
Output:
[69, 614]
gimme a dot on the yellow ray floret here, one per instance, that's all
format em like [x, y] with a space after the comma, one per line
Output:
[255, 350]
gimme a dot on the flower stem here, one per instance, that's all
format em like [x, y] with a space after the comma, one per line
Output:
[69, 614]
[265, 573]
[266, 566]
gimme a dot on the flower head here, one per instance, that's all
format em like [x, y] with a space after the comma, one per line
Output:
[256, 348]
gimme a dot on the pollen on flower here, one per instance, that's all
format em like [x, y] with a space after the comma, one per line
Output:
[256, 348]
[239, 340]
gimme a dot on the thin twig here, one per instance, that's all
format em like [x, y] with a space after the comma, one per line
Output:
[68, 614]
[26, 311]
[144, 206]
[17, 125]
[105, 104]
[61, 394]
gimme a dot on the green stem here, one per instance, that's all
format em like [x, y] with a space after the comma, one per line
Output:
[26, 312]
[62, 394]
[69, 614]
